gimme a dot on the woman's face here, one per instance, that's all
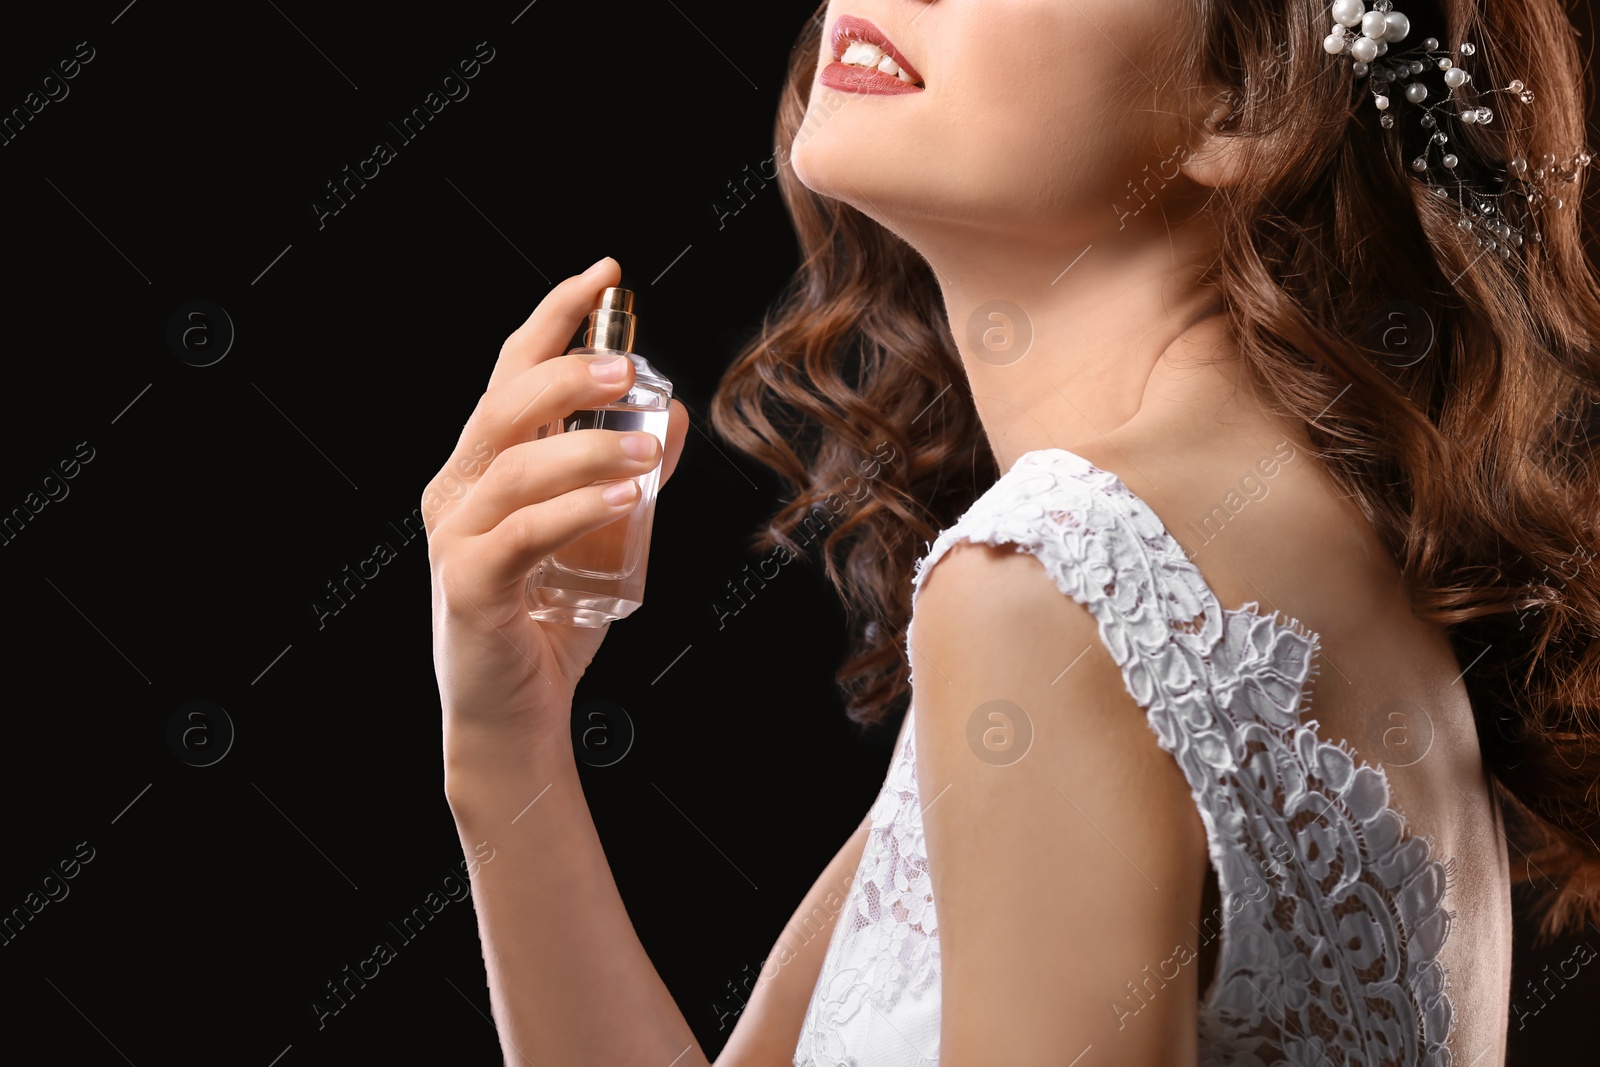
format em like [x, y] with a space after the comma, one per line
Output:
[1029, 112]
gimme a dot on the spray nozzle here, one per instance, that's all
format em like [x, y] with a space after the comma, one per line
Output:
[611, 324]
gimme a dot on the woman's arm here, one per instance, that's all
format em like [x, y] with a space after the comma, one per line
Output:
[1067, 872]
[569, 982]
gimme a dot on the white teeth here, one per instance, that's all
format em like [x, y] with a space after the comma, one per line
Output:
[864, 54]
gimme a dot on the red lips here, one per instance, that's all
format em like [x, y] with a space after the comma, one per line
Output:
[847, 28]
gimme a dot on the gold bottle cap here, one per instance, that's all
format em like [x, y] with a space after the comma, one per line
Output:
[611, 324]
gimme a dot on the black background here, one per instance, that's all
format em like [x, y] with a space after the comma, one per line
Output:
[184, 562]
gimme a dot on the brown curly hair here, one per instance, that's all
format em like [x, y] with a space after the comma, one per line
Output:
[1477, 466]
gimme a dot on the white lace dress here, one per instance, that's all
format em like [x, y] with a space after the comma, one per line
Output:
[1336, 964]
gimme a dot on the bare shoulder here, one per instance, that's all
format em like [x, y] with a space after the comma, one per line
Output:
[996, 642]
[1052, 817]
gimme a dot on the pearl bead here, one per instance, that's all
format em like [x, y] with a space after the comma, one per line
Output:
[1381, 101]
[1455, 77]
[1373, 24]
[1419, 164]
[1516, 85]
[1469, 116]
[1364, 49]
[1383, 46]
[1396, 26]
[1464, 223]
[1333, 44]
[1416, 92]
[1339, 30]
[1518, 165]
[1348, 12]
[1359, 68]
[1449, 161]
[1431, 43]
[1445, 64]
[1416, 66]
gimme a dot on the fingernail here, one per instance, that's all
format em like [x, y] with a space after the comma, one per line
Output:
[619, 493]
[596, 267]
[639, 445]
[610, 369]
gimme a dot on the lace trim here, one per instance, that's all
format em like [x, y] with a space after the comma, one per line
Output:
[1336, 963]
[1344, 947]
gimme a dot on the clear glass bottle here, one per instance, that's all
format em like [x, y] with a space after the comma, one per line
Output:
[600, 576]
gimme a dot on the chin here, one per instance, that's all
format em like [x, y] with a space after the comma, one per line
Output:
[819, 160]
[841, 142]
[852, 161]
[836, 163]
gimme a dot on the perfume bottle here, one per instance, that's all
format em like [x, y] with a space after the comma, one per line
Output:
[600, 576]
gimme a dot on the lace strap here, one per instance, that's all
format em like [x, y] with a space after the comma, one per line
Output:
[1155, 613]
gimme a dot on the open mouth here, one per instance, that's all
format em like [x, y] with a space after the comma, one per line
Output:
[865, 60]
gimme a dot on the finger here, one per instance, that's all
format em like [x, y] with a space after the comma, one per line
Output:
[543, 394]
[507, 553]
[514, 413]
[540, 470]
[550, 327]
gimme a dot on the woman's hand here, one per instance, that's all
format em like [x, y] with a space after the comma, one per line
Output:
[504, 501]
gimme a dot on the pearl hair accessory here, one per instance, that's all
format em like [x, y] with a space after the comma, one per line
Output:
[1366, 36]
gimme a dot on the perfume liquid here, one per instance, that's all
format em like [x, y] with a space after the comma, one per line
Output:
[600, 576]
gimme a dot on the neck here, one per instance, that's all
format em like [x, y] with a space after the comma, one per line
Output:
[1065, 341]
